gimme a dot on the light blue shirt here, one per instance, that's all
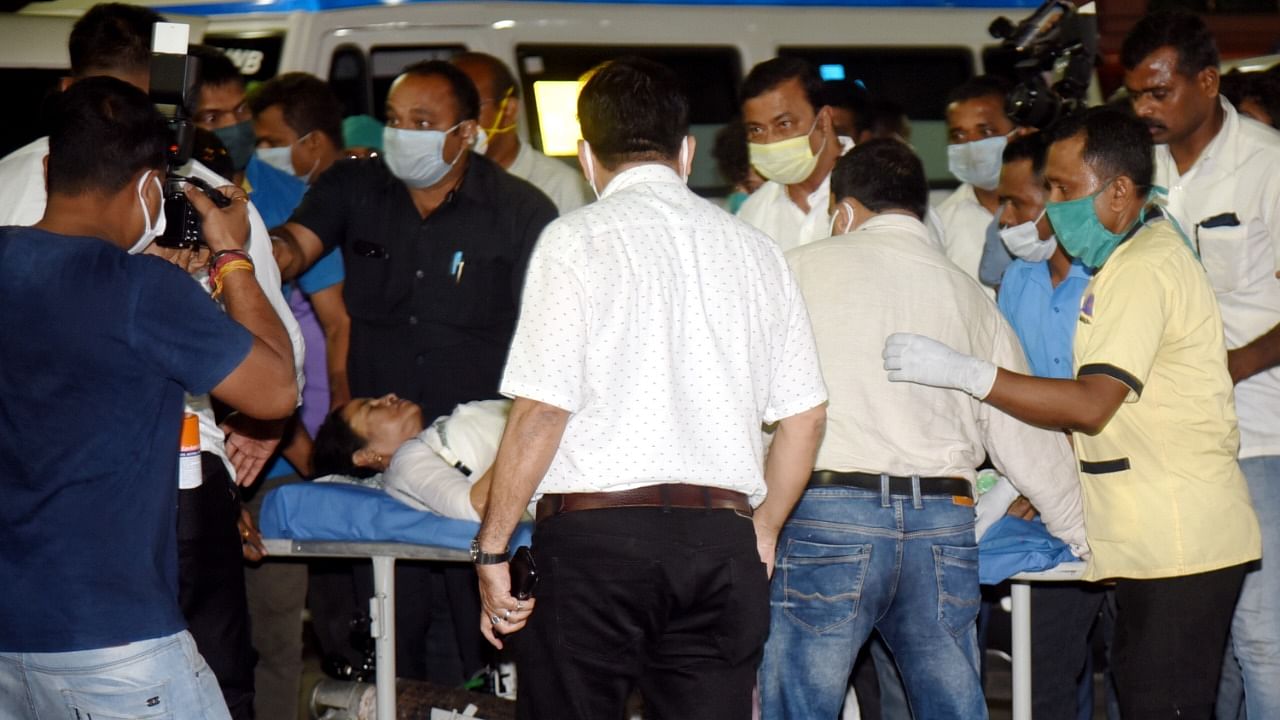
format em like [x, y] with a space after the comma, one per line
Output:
[1044, 317]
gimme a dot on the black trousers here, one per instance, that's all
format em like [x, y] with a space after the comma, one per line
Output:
[1169, 643]
[674, 602]
[1062, 614]
[211, 584]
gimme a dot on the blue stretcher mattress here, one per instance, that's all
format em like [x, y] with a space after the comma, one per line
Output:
[1013, 545]
[350, 513]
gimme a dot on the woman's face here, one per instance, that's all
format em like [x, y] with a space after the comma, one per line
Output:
[385, 423]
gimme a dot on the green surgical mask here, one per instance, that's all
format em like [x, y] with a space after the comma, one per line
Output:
[1081, 233]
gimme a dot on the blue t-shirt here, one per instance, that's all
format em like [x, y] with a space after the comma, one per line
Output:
[98, 348]
[1044, 317]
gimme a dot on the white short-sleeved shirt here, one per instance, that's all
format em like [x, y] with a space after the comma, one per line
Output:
[670, 330]
[566, 187]
[22, 202]
[959, 226]
[888, 276]
[1228, 205]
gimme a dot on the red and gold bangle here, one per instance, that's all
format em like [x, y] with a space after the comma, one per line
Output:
[215, 280]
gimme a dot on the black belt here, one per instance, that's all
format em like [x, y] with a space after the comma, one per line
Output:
[652, 496]
[946, 486]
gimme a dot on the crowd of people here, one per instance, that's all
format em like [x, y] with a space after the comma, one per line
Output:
[749, 436]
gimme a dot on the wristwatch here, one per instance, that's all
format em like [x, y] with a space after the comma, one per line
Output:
[480, 557]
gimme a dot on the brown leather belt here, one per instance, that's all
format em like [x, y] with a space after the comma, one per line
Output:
[660, 496]
[945, 486]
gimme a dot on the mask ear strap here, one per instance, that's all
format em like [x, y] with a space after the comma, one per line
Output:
[590, 167]
[684, 159]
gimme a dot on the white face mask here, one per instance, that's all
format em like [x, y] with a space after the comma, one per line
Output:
[835, 219]
[590, 167]
[417, 156]
[1025, 243]
[281, 158]
[978, 162]
[150, 231]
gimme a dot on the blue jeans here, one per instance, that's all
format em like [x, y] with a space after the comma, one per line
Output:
[1252, 664]
[851, 560]
[164, 679]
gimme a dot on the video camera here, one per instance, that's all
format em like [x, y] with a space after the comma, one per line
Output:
[174, 75]
[1057, 41]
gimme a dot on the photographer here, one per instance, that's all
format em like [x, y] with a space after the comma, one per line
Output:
[90, 414]
[114, 39]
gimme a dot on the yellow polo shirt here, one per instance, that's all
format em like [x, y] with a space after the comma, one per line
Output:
[1163, 494]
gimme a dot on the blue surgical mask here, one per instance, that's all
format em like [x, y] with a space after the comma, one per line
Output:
[238, 139]
[281, 158]
[978, 162]
[417, 156]
[1081, 233]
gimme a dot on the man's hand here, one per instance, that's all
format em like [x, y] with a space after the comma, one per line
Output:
[767, 546]
[223, 228]
[251, 545]
[250, 443]
[1021, 507]
[500, 612]
[190, 260]
[918, 359]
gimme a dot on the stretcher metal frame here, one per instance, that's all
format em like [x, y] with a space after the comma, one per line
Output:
[382, 606]
[1020, 596]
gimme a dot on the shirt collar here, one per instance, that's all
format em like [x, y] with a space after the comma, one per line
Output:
[641, 174]
[1220, 151]
[900, 223]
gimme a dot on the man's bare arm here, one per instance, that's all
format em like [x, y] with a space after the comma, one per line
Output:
[1258, 356]
[296, 248]
[1085, 404]
[786, 474]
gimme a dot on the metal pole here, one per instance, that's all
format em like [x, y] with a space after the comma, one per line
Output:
[382, 612]
[1020, 593]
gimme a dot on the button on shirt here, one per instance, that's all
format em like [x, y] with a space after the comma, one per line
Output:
[1237, 174]
[959, 226]
[433, 302]
[888, 276]
[670, 330]
[561, 183]
[1164, 496]
[1044, 316]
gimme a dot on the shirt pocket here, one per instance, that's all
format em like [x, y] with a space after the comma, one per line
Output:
[1224, 254]
[478, 294]
[370, 289]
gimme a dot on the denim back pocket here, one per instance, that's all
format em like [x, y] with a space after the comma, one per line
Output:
[150, 703]
[822, 584]
[956, 568]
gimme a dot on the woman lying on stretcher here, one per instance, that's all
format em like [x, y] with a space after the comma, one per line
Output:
[442, 467]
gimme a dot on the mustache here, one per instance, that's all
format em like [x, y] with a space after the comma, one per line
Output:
[1154, 125]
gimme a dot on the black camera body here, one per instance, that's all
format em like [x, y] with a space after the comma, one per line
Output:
[174, 75]
[1056, 41]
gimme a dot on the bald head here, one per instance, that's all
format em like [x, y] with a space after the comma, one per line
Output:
[492, 77]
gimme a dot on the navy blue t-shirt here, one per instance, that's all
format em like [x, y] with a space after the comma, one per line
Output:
[96, 349]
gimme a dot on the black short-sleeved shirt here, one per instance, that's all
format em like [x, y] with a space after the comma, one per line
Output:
[433, 301]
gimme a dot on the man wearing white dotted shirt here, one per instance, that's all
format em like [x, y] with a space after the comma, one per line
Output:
[657, 333]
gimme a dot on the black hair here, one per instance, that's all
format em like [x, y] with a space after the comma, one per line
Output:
[887, 119]
[334, 446]
[633, 110]
[503, 80]
[112, 36]
[730, 152]
[882, 174]
[849, 95]
[307, 103]
[1181, 31]
[771, 73]
[1260, 87]
[466, 98]
[216, 69]
[1028, 147]
[1115, 143]
[980, 86]
[102, 132]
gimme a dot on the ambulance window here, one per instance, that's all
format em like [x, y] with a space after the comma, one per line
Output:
[387, 62]
[549, 83]
[256, 56]
[349, 78]
[918, 79]
[29, 88]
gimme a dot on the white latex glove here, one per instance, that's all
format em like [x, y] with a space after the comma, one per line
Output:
[918, 359]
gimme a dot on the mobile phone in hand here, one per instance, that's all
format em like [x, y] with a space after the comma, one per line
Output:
[524, 574]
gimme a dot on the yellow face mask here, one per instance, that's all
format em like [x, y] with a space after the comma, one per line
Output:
[786, 161]
[483, 134]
